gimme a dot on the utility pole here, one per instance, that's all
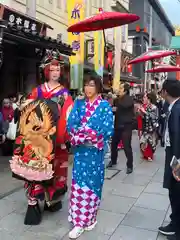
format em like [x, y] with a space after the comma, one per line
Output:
[31, 8]
[148, 76]
[150, 43]
[151, 27]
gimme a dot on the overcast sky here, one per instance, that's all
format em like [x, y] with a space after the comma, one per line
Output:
[172, 8]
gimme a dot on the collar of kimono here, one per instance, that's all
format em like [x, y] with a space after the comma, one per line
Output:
[90, 109]
[52, 90]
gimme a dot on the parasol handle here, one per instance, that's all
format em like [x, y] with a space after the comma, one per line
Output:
[153, 74]
[104, 38]
[100, 11]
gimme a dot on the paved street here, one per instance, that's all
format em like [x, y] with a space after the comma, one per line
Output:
[7, 183]
[132, 208]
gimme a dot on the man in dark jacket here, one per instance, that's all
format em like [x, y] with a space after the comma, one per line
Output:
[171, 91]
[163, 108]
[124, 118]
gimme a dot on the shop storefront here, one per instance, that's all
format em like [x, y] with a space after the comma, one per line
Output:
[126, 69]
[23, 43]
[89, 58]
[175, 44]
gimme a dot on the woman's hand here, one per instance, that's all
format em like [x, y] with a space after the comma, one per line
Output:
[141, 109]
[3, 139]
[176, 176]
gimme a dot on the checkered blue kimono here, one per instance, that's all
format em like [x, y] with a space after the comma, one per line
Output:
[90, 127]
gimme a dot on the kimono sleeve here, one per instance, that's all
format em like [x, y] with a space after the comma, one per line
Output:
[154, 117]
[34, 94]
[106, 127]
[64, 112]
[73, 121]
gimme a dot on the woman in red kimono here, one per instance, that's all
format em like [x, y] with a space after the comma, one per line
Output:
[51, 89]
[148, 139]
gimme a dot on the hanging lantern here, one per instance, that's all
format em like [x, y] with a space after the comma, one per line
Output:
[109, 61]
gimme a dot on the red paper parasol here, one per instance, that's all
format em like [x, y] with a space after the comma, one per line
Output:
[102, 21]
[164, 68]
[151, 55]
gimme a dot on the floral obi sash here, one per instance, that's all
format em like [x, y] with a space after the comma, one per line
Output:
[85, 135]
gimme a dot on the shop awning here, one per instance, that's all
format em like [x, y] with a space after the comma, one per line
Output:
[37, 40]
[89, 67]
[27, 30]
[130, 79]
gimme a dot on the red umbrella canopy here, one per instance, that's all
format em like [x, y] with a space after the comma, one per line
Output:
[151, 55]
[103, 21]
[164, 68]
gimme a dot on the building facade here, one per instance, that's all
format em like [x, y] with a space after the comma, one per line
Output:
[23, 43]
[162, 29]
[55, 14]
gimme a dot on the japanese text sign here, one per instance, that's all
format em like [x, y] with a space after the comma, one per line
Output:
[21, 21]
[76, 39]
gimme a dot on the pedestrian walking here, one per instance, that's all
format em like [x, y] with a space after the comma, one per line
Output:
[148, 139]
[40, 156]
[162, 119]
[124, 118]
[171, 93]
[90, 126]
[8, 115]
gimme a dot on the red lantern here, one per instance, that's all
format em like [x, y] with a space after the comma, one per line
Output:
[130, 68]
[109, 61]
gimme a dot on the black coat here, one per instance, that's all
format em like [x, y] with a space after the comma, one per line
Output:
[124, 112]
[174, 135]
[162, 119]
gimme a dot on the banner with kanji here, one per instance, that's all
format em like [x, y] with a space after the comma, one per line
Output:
[117, 58]
[76, 40]
[99, 51]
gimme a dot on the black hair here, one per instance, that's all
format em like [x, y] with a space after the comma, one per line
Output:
[152, 97]
[23, 98]
[93, 76]
[138, 98]
[126, 88]
[172, 87]
[13, 95]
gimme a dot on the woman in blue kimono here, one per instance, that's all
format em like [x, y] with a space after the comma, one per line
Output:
[90, 126]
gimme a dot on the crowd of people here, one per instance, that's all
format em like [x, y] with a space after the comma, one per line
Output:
[143, 112]
[47, 122]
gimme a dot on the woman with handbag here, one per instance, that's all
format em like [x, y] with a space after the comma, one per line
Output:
[8, 126]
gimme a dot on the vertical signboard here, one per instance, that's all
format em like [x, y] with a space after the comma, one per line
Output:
[178, 64]
[76, 40]
[117, 59]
